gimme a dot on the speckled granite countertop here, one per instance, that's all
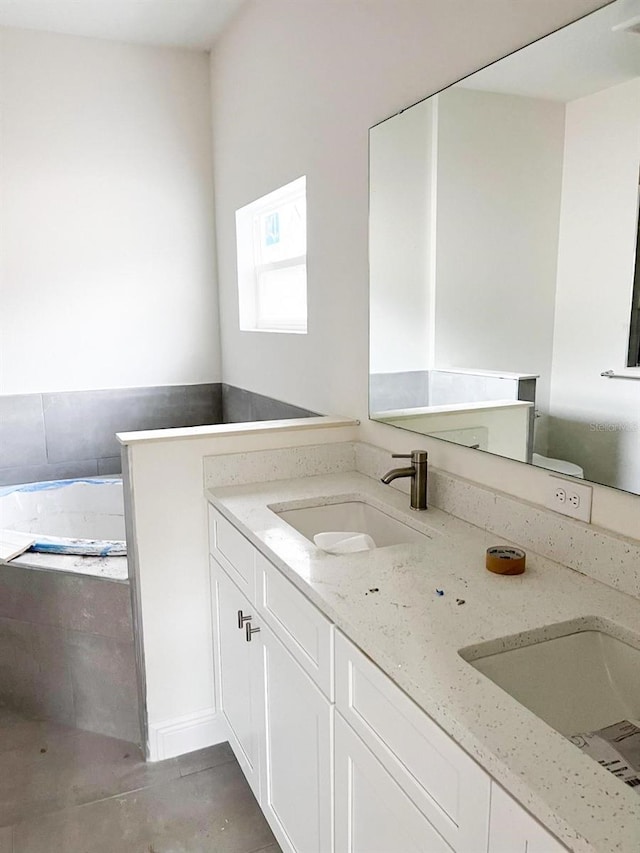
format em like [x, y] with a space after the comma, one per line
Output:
[414, 635]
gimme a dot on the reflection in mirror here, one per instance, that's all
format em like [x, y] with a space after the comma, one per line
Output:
[503, 240]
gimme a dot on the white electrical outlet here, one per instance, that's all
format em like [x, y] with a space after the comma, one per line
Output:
[570, 497]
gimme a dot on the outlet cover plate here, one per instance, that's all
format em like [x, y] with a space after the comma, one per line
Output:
[569, 497]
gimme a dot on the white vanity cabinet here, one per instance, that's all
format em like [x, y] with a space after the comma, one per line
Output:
[371, 773]
[373, 814]
[513, 830]
[280, 721]
[237, 673]
[427, 774]
[296, 742]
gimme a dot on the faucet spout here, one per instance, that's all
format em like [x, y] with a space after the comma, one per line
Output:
[418, 474]
[396, 473]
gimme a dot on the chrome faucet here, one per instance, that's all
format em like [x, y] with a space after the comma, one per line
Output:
[418, 474]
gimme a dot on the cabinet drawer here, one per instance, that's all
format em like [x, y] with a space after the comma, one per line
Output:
[448, 787]
[232, 551]
[306, 633]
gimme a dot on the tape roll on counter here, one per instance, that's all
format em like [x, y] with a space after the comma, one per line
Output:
[503, 560]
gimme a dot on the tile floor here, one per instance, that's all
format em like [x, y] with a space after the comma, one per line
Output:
[63, 790]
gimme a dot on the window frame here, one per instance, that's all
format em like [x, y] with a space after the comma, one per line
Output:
[251, 270]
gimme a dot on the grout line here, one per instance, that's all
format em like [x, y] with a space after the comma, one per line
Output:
[273, 845]
[205, 769]
[73, 806]
[44, 430]
[125, 640]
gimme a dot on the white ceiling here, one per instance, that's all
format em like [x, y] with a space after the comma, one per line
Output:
[179, 23]
[579, 60]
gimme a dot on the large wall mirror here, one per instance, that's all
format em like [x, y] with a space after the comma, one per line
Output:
[504, 272]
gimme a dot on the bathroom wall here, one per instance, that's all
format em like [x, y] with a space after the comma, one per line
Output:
[107, 269]
[295, 89]
[593, 310]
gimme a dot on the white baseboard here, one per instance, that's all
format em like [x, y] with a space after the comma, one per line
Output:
[186, 734]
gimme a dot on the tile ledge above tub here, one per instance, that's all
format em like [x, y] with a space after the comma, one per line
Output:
[227, 430]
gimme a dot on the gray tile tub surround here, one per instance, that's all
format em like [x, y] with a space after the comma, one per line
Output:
[404, 390]
[83, 424]
[61, 435]
[66, 651]
[241, 406]
[22, 439]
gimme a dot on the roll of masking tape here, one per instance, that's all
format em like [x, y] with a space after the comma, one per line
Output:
[503, 560]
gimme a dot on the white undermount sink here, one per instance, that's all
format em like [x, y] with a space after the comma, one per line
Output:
[576, 683]
[352, 515]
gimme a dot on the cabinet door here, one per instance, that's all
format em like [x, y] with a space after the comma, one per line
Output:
[372, 812]
[296, 769]
[238, 663]
[513, 830]
[445, 783]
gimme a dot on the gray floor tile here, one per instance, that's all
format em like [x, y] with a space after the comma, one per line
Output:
[59, 770]
[213, 810]
[31, 736]
[204, 759]
[6, 840]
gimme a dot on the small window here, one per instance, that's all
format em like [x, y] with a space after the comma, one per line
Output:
[271, 237]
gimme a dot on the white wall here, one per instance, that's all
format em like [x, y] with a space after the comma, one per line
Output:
[596, 421]
[295, 88]
[499, 182]
[107, 275]
[401, 164]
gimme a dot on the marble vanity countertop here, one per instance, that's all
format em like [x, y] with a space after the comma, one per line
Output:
[414, 635]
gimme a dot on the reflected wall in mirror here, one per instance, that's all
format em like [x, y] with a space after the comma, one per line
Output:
[503, 238]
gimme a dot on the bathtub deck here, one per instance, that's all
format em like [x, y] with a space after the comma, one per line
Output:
[110, 568]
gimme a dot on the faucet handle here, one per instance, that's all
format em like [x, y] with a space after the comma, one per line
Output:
[416, 456]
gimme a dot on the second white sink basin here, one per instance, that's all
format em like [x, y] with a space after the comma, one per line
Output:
[576, 683]
[356, 516]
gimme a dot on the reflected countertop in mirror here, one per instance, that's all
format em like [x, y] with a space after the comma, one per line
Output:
[504, 274]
